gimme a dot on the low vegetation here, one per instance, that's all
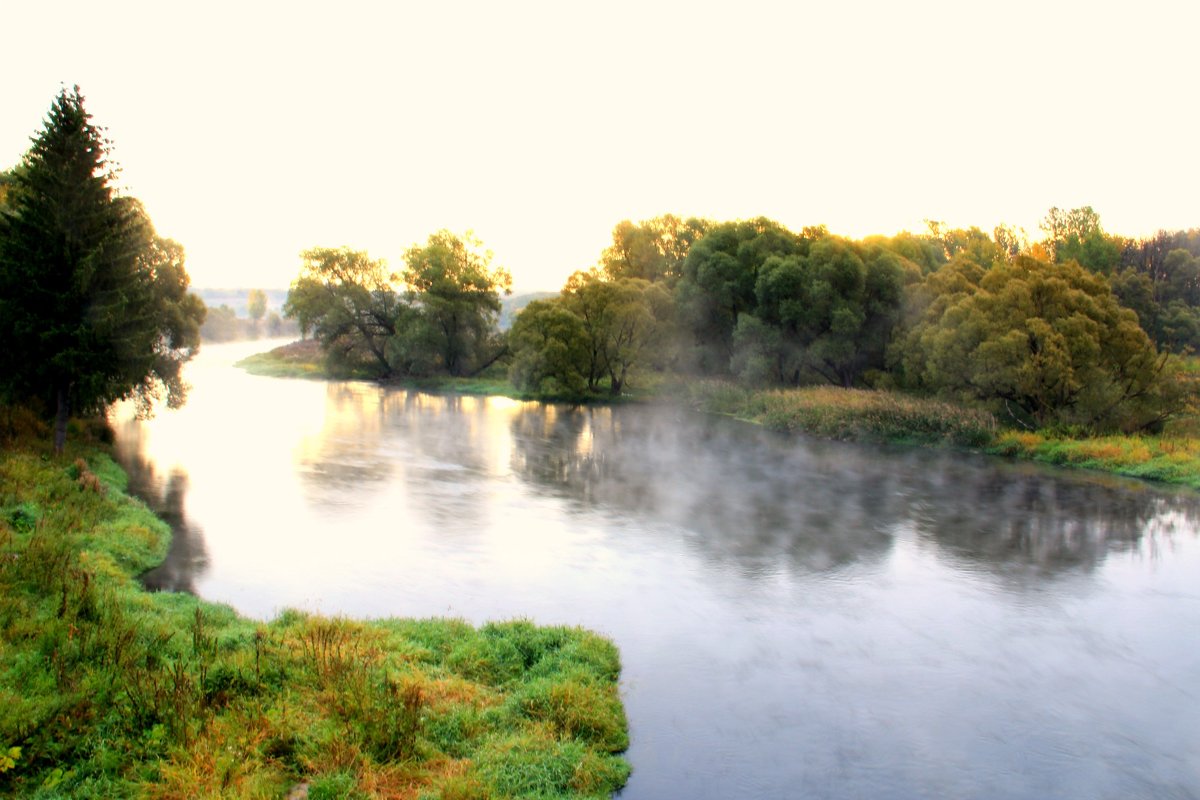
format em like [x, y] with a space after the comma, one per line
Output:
[850, 414]
[1167, 459]
[301, 359]
[109, 691]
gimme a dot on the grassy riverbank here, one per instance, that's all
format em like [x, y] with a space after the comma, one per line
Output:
[1167, 459]
[303, 359]
[109, 691]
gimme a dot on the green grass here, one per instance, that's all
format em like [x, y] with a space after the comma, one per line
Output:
[304, 360]
[108, 691]
[1167, 459]
[272, 367]
[300, 359]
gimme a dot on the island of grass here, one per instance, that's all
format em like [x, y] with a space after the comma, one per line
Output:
[304, 359]
[110, 691]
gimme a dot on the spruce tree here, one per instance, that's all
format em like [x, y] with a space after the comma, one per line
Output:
[84, 317]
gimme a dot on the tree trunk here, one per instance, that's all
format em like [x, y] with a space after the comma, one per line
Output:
[61, 415]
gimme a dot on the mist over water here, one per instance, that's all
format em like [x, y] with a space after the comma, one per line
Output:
[795, 618]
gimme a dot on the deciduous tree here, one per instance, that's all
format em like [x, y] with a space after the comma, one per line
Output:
[550, 350]
[653, 250]
[256, 305]
[347, 299]
[718, 284]
[1044, 343]
[452, 281]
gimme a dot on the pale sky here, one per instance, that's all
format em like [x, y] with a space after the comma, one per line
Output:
[252, 131]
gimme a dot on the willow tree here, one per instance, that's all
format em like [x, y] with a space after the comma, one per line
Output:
[94, 305]
[452, 282]
[347, 300]
[1043, 343]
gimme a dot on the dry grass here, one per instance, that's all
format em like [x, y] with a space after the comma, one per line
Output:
[851, 414]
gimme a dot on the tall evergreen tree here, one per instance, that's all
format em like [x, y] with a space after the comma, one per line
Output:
[93, 304]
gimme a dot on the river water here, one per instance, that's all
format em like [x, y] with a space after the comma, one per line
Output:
[796, 618]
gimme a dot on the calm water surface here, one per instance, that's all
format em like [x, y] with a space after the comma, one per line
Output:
[796, 619]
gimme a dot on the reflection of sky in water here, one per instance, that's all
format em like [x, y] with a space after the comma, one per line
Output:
[795, 618]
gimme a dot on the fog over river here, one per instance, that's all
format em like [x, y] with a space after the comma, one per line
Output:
[796, 618]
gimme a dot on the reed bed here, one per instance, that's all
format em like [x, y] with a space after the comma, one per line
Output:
[848, 414]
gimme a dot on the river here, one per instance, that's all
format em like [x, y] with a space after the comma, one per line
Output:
[796, 618]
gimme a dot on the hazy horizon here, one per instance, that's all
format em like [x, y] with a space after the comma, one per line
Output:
[253, 133]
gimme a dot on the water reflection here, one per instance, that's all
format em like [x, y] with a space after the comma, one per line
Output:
[733, 492]
[795, 618]
[187, 557]
[747, 495]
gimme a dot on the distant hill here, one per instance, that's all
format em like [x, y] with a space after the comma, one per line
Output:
[512, 305]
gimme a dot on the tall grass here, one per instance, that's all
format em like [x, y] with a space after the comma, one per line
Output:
[852, 414]
[108, 691]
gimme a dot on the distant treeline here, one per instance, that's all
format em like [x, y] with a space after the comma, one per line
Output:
[236, 314]
[1070, 330]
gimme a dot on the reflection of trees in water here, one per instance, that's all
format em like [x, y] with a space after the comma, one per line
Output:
[346, 453]
[437, 445]
[1015, 517]
[721, 483]
[187, 556]
[756, 497]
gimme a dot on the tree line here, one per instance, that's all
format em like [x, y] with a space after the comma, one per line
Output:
[1073, 329]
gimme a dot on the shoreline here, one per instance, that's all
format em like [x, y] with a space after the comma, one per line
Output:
[172, 694]
[837, 414]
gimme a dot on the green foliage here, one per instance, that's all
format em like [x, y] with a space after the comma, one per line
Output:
[597, 333]
[550, 351]
[108, 691]
[8, 759]
[1076, 235]
[829, 313]
[718, 285]
[1169, 459]
[453, 282]
[338, 786]
[444, 324]
[93, 304]
[347, 300]
[625, 322]
[926, 252]
[653, 250]
[774, 307]
[1041, 343]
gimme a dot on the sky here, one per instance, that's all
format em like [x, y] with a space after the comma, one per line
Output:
[254, 130]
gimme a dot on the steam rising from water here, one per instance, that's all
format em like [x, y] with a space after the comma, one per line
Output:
[795, 617]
